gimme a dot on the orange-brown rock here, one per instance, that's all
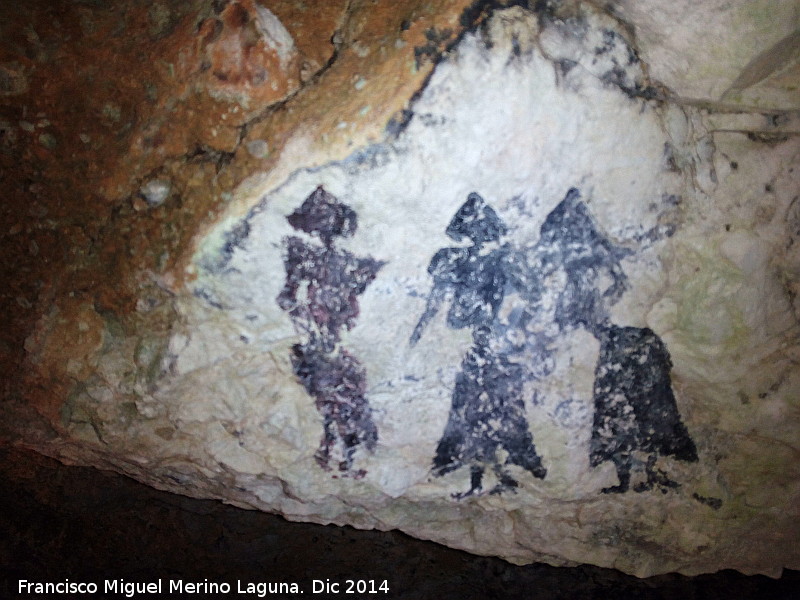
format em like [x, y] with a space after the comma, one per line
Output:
[98, 100]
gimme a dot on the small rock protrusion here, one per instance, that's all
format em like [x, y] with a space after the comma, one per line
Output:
[13, 80]
[48, 140]
[257, 148]
[155, 192]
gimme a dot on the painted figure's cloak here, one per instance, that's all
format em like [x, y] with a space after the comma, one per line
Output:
[634, 404]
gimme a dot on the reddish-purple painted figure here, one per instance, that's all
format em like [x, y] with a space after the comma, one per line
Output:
[320, 295]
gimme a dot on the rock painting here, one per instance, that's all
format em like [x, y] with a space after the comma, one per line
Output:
[320, 295]
[487, 425]
[634, 406]
[568, 280]
[571, 244]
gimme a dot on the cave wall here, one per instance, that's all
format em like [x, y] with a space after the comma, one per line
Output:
[518, 278]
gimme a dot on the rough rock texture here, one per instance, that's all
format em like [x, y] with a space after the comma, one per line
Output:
[521, 279]
[83, 524]
[741, 54]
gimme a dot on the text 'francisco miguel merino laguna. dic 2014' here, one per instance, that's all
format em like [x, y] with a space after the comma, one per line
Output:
[261, 589]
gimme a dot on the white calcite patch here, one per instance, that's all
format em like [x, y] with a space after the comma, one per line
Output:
[617, 382]
[275, 34]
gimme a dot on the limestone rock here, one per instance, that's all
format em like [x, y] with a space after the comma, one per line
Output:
[738, 53]
[508, 292]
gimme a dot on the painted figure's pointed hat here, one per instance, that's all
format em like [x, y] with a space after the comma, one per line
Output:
[477, 221]
[571, 231]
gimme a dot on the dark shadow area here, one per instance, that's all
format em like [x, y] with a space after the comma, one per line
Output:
[59, 522]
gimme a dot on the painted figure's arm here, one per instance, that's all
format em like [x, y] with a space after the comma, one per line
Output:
[287, 298]
[445, 272]
[431, 308]
[619, 282]
[364, 273]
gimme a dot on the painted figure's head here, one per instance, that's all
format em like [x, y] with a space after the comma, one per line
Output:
[322, 215]
[580, 264]
[572, 232]
[570, 228]
[477, 221]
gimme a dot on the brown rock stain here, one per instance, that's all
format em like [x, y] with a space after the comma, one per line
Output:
[125, 93]
[75, 327]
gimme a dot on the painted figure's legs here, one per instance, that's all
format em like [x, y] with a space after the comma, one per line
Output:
[655, 477]
[350, 441]
[529, 460]
[323, 453]
[476, 477]
[505, 481]
[623, 464]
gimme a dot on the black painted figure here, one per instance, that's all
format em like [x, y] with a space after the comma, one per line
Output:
[320, 295]
[635, 408]
[570, 241]
[487, 415]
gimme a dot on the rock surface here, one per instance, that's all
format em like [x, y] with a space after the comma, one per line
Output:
[112, 527]
[506, 277]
